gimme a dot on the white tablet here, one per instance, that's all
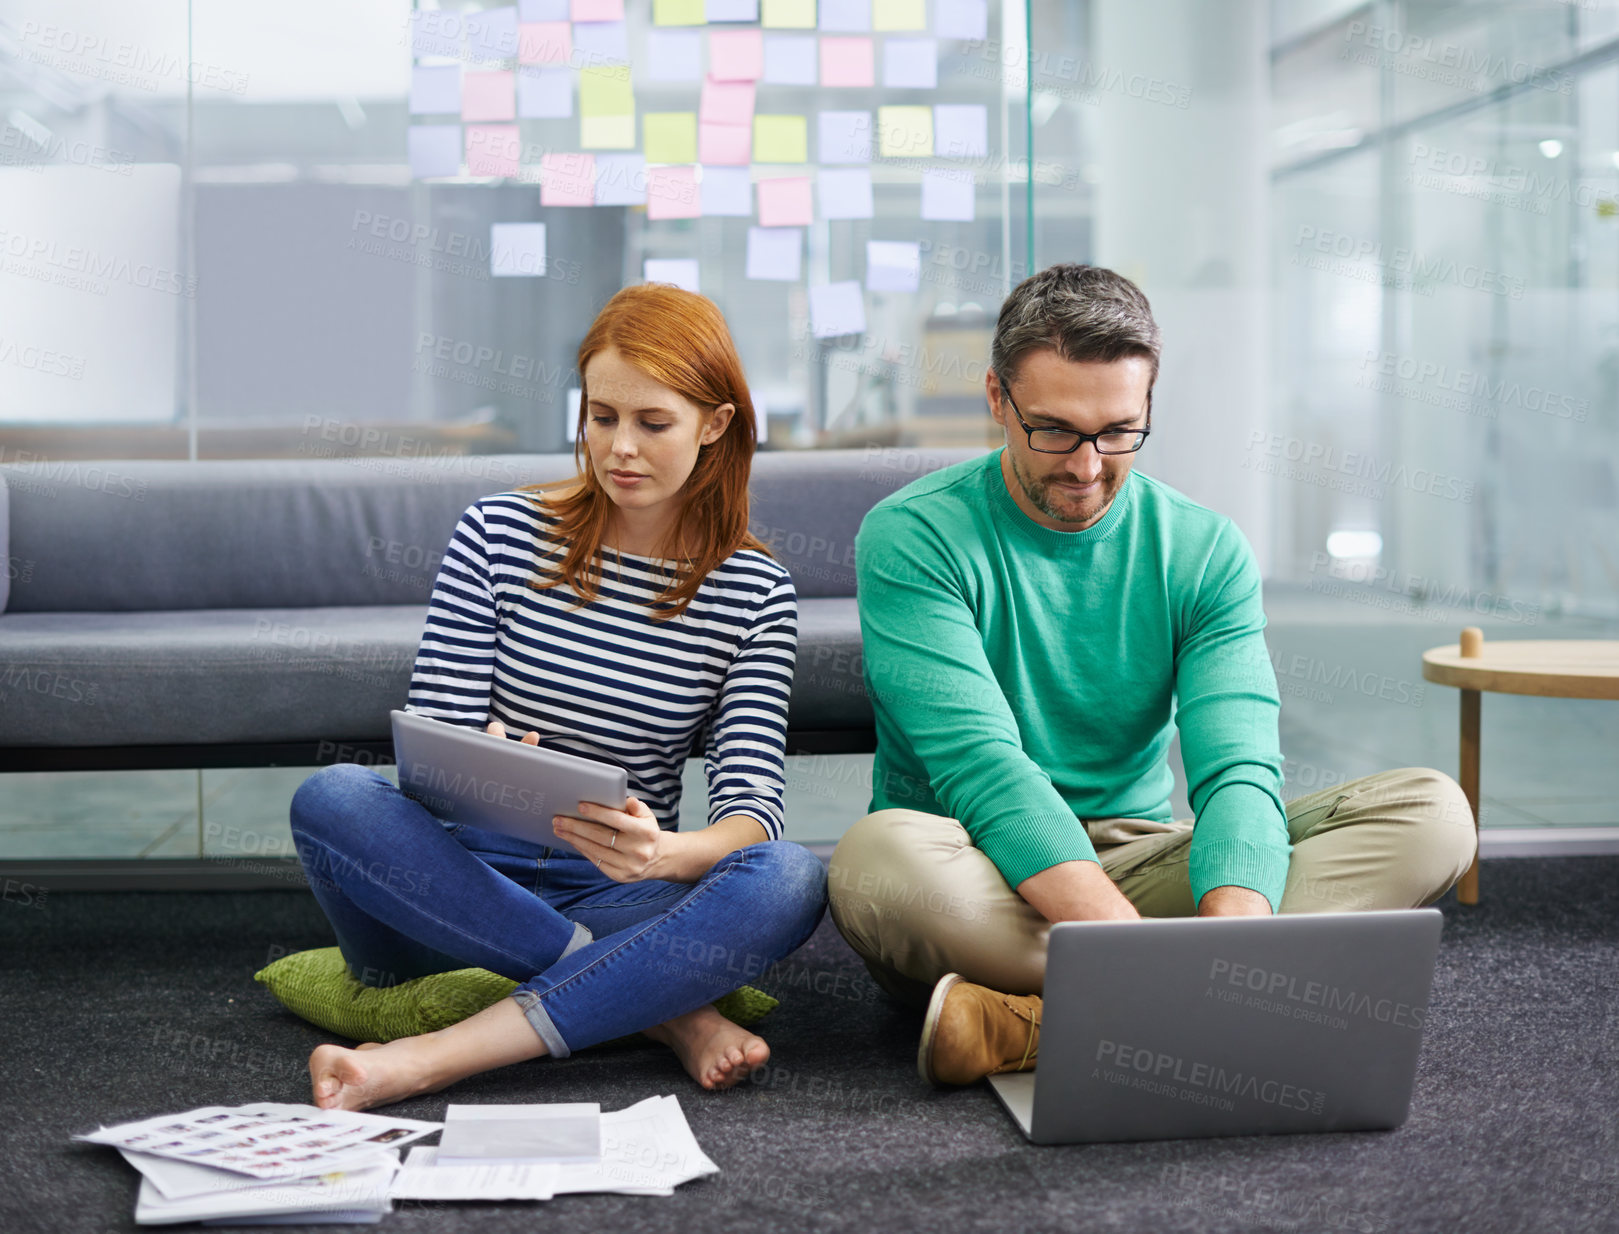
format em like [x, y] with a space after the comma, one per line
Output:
[499, 784]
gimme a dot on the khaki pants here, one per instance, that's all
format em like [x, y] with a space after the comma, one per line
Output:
[916, 900]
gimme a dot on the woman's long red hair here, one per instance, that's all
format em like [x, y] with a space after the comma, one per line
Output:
[680, 340]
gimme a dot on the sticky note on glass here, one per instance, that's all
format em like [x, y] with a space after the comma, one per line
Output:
[898, 15]
[435, 91]
[785, 202]
[492, 149]
[489, 96]
[736, 55]
[516, 250]
[845, 193]
[961, 19]
[725, 144]
[607, 132]
[905, 132]
[542, 10]
[492, 33]
[437, 32]
[435, 150]
[910, 64]
[678, 12]
[620, 180]
[568, 180]
[893, 265]
[844, 137]
[596, 10]
[669, 136]
[544, 93]
[844, 15]
[681, 271]
[726, 102]
[544, 42]
[960, 130]
[847, 62]
[727, 192]
[733, 10]
[790, 60]
[775, 254]
[789, 14]
[674, 55]
[604, 90]
[671, 193]
[947, 195]
[836, 309]
[780, 139]
[601, 42]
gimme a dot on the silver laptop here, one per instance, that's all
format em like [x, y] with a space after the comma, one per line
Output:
[498, 784]
[1172, 1028]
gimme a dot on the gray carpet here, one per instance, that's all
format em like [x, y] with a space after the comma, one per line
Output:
[122, 1006]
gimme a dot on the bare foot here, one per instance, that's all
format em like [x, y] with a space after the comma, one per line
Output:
[715, 1052]
[344, 1080]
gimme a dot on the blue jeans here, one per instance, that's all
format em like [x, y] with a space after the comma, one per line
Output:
[409, 895]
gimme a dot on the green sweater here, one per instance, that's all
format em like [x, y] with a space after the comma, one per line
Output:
[1024, 679]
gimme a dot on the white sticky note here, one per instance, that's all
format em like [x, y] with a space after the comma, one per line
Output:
[681, 271]
[893, 265]
[620, 180]
[542, 10]
[600, 42]
[845, 15]
[437, 32]
[775, 253]
[492, 33]
[732, 10]
[910, 64]
[544, 93]
[435, 150]
[960, 131]
[726, 192]
[837, 309]
[517, 250]
[947, 195]
[790, 59]
[961, 19]
[674, 54]
[845, 193]
[844, 137]
[435, 91]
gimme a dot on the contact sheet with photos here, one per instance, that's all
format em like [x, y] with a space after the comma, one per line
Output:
[268, 1140]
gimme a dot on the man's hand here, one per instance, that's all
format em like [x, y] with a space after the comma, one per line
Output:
[1233, 901]
[1076, 891]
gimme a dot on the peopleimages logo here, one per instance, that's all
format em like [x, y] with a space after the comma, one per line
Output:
[1329, 998]
[434, 785]
[1161, 1071]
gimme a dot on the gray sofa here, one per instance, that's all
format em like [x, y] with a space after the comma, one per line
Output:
[226, 613]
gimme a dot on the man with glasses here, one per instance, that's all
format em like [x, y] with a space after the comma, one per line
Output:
[1037, 623]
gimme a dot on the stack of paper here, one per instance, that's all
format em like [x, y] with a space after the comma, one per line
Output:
[266, 1163]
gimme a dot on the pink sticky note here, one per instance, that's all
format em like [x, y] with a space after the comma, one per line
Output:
[785, 202]
[847, 62]
[726, 102]
[724, 145]
[492, 149]
[671, 193]
[488, 96]
[596, 10]
[736, 55]
[568, 180]
[544, 42]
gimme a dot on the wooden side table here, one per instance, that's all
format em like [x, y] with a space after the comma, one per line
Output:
[1551, 668]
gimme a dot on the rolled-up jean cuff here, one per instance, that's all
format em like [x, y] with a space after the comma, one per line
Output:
[534, 1011]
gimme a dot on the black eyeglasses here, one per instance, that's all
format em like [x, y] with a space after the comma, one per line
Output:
[1067, 440]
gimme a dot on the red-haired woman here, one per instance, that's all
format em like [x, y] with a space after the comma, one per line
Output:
[624, 616]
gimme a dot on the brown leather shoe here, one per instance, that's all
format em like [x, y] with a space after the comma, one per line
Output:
[972, 1031]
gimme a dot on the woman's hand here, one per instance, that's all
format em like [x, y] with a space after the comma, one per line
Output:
[497, 729]
[626, 845]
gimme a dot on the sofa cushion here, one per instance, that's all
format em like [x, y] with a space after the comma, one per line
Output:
[828, 691]
[11, 565]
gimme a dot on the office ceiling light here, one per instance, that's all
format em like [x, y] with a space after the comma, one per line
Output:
[1343, 544]
[1551, 147]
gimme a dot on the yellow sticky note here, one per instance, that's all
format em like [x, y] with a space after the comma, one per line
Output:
[679, 12]
[782, 139]
[905, 132]
[898, 15]
[669, 136]
[790, 14]
[604, 90]
[607, 132]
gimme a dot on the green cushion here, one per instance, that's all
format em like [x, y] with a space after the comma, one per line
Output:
[318, 986]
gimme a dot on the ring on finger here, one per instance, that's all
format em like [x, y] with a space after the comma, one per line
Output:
[613, 843]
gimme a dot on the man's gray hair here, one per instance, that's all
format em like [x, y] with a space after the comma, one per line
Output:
[1083, 313]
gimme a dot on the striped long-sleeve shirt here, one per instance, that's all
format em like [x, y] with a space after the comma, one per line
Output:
[604, 680]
